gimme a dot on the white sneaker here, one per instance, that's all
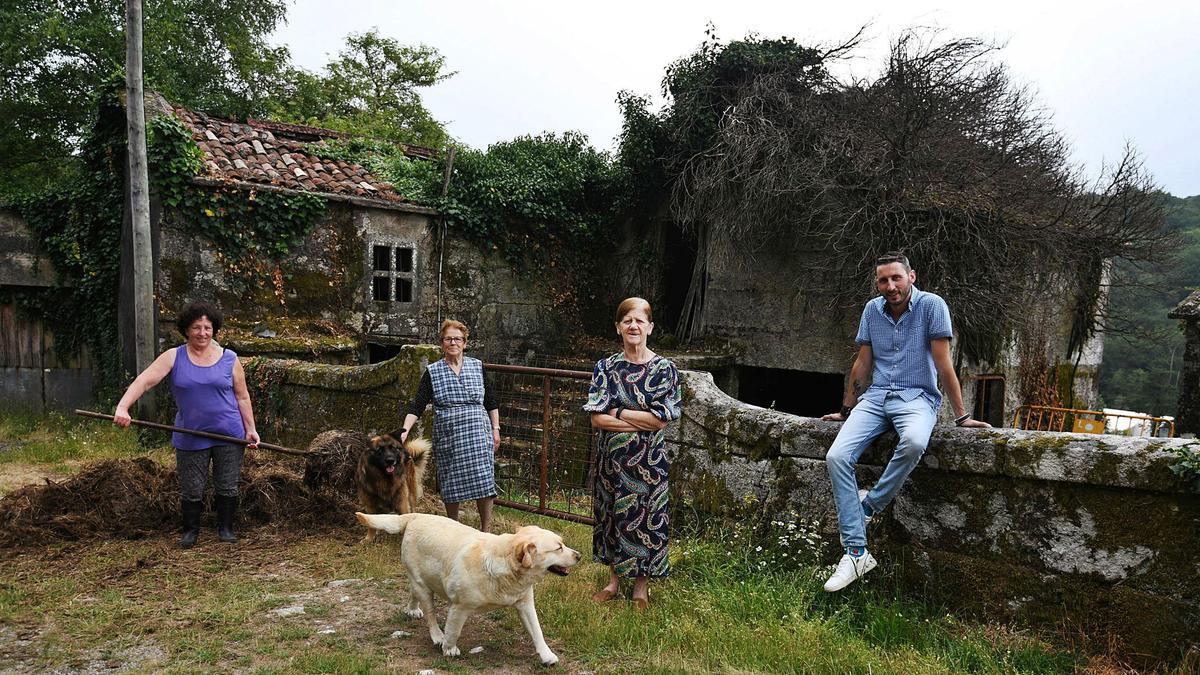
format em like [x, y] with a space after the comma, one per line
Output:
[849, 569]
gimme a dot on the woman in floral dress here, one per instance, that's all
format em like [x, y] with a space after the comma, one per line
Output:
[634, 394]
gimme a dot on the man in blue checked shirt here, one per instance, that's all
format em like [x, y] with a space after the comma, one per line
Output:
[904, 343]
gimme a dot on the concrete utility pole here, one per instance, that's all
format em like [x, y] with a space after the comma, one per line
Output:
[139, 199]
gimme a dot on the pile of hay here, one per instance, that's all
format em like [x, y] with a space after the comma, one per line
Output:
[333, 460]
[134, 498]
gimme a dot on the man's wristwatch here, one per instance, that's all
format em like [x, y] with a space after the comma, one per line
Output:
[958, 421]
[846, 410]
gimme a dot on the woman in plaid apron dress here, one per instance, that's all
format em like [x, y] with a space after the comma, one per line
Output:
[466, 425]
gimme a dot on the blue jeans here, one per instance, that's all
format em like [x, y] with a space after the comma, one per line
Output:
[913, 421]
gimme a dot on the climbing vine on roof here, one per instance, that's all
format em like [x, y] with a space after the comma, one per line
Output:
[251, 229]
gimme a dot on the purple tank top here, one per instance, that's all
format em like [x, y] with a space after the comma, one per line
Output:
[205, 400]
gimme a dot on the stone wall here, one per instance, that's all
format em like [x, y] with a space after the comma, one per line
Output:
[296, 400]
[1187, 415]
[1069, 531]
[328, 280]
[1075, 533]
[762, 306]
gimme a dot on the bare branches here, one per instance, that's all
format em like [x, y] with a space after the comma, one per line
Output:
[941, 156]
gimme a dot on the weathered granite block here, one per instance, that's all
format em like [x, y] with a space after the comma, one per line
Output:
[298, 400]
[1075, 532]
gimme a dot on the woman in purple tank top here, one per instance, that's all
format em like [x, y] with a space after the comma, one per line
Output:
[210, 392]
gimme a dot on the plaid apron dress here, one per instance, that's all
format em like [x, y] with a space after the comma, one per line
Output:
[462, 433]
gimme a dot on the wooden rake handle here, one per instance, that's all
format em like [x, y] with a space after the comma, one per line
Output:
[203, 434]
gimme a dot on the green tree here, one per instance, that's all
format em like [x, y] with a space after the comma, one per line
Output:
[370, 89]
[206, 54]
[1143, 348]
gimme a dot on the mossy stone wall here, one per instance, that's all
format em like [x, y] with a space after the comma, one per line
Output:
[318, 299]
[296, 400]
[1072, 532]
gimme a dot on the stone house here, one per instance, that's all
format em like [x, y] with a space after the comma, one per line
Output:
[377, 271]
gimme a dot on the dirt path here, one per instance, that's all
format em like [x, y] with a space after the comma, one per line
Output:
[15, 475]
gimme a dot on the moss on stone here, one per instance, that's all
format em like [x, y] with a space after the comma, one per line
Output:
[307, 398]
[765, 446]
[457, 277]
[717, 446]
[710, 494]
[179, 275]
[1136, 623]
[1105, 471]
[314, 288]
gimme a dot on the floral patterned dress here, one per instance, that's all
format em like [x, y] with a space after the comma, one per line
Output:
[630, 492]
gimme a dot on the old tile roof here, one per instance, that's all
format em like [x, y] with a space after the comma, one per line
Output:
[1188, 309]
[271, 153]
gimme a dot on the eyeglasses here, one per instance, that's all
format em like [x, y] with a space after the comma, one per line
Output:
[454, 340]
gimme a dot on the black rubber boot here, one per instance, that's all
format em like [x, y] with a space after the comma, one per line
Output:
[191, 522]
[226, 508]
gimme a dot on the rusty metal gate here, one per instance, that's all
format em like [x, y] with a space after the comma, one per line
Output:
[546, 441]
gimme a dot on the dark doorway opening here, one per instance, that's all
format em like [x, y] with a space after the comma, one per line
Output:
[377, 353]
[679, 257]
[791, 391]
[989, 399]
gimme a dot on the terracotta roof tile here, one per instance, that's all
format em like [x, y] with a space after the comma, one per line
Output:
[275, 154]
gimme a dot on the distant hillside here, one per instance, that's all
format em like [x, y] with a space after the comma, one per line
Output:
[1142, 357]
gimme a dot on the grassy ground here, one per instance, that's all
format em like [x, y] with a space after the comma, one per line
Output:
[33, 447]
[729, 606]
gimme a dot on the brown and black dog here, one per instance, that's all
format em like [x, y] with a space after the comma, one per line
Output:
[390, 475]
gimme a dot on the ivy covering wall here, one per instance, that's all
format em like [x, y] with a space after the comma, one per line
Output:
[77, 223]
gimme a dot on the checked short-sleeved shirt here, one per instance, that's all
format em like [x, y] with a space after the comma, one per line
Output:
[903, 361]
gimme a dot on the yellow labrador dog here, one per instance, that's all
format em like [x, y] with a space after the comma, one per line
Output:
[474, 571]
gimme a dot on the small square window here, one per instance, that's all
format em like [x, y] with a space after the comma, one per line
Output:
[404, 288]
[380, 289]
[382, 259]
[404, 260]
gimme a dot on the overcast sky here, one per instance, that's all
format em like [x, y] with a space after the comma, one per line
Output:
[1110, 71]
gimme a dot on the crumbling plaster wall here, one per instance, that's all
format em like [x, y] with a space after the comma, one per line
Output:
[1088, 532]
[510, 311]
[321, 279]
